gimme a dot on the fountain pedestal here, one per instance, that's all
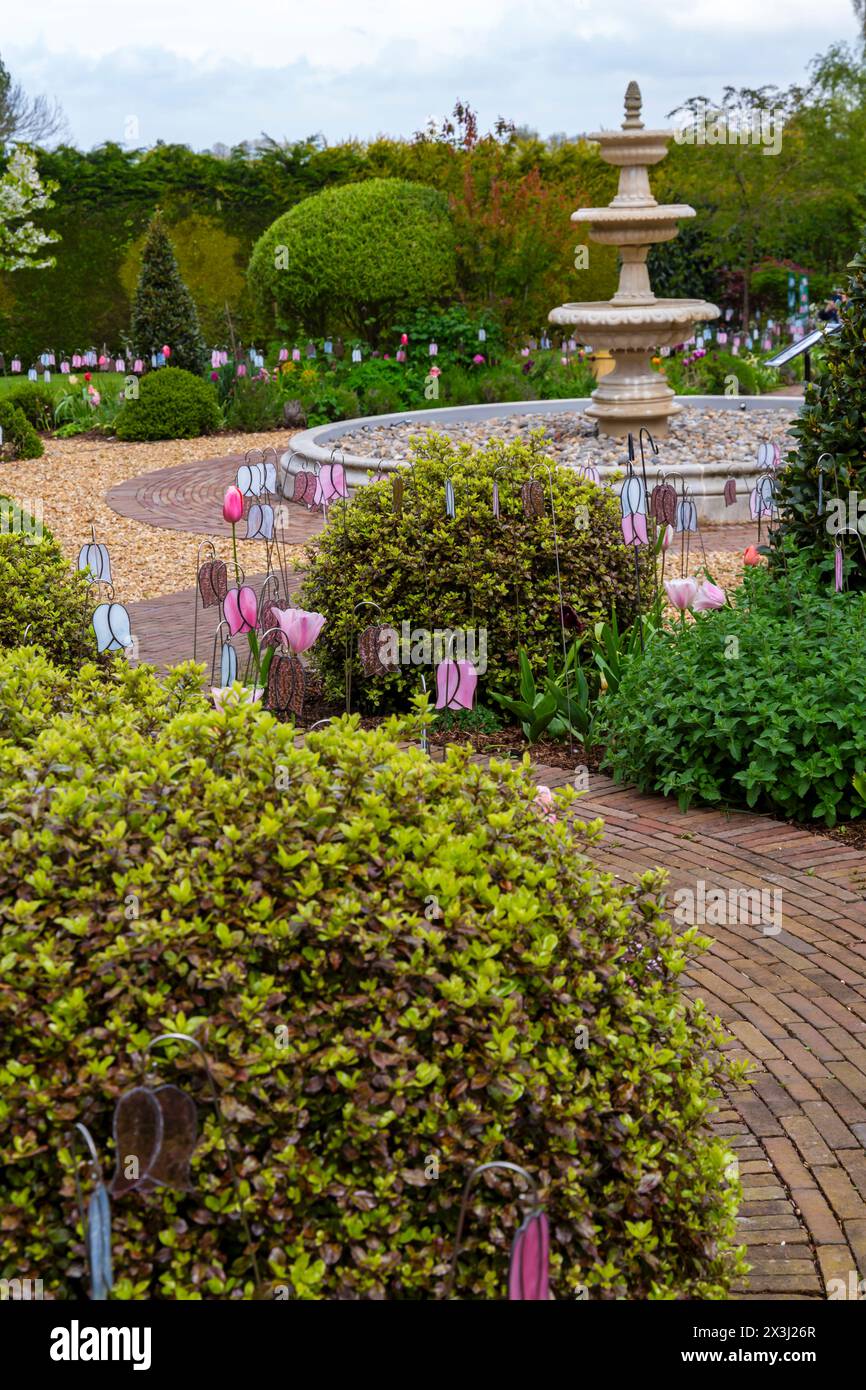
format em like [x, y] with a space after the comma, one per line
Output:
[633, 324]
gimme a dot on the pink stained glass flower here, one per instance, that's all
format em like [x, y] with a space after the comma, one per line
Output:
[634, 529]
[456, 682]
[299, 629]
[332, 480]
[709, 596]
[528, 1274]
[681, 593]
[240, 609]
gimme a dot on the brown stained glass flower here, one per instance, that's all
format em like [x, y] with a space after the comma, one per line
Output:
[374, 661]
[730, 492]
[170, 1167]
[397, 496]
[205, 586]
[137, 1137]
[286, 685]
[532, 496]
[155, 1135]
[212, 583]
[663, 504]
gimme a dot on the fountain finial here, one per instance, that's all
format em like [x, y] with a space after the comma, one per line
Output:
[633, 102]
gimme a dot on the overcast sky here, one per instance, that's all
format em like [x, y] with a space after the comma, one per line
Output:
[207, 71]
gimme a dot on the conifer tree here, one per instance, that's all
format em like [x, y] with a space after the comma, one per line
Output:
[830, 432]
[163, 310]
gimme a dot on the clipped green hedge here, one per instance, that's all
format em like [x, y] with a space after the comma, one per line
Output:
[40, 592]
[20, 440]
[358, 254]
[475, 571]
[36, 402]
[171, 404]
[368, 1053]
[759, 704]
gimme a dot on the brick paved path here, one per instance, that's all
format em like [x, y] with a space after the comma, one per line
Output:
[189, 497]
[796, 1006]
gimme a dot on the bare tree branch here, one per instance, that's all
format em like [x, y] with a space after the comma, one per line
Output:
[28, 120]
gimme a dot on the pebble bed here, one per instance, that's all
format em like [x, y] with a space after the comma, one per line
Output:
[696, 436]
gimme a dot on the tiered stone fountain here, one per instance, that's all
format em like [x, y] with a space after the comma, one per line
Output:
[634, 323]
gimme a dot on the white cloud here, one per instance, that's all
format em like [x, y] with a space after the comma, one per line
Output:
[202, 71]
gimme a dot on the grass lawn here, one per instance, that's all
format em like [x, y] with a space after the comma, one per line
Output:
[104, 382]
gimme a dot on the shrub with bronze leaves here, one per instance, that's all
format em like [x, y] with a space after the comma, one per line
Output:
[390, 962]
[472, 571]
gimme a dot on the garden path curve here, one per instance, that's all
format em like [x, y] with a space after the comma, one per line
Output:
[794, 1003]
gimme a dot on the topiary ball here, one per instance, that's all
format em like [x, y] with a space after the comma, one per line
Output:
[171, 404]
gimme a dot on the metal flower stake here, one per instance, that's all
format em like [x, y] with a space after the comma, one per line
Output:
[155, 1133]
[529, 1268]
[96, 1220]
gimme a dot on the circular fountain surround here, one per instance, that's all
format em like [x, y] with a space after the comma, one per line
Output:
[706, 480]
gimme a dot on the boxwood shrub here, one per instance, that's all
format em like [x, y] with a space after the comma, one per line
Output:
[171, 404]
[761, 703]
[35, 401]
[473, 571]
[20, 440]
[388, 960]
[40, 592]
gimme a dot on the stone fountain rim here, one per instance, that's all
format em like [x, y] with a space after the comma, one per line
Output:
[309, 446]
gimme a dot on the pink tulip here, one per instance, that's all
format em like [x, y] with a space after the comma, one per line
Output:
[668, 538]
[233, 505]
[681, 593]
[478, 359]
[455, 685]
[166, 350]
[751, 555]
[299, 629]
[435, 371]
[404, 338]
[709, 596]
